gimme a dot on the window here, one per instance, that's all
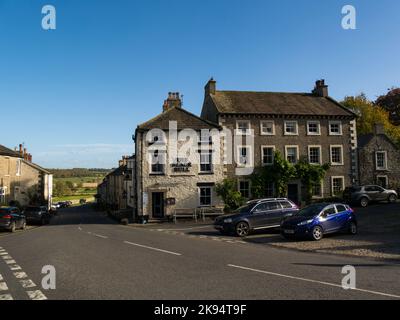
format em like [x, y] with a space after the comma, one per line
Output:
[244, 156]
[205, 196]
[19, 166]
[314, 154]
[292, 153]
[335, 128]
[336, 155]
[243, 127]
[269, 189]
[313, 128]
[381, 161]
[3, 195]
[267, 128]
[337, 185]
[316, 190]
[206, 161]
[244, 188]
[330, 211]
[382, 181]
[267, 155]
[340, 208]
[291, 128]
[157, 162]
[286, 204]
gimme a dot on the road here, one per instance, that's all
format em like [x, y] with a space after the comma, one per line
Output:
[95, 258]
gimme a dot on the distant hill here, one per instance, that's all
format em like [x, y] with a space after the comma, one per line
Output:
[79, 172]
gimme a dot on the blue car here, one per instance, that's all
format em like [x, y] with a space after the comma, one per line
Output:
[319, 219]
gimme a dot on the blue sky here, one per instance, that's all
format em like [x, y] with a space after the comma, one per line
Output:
[75, 95]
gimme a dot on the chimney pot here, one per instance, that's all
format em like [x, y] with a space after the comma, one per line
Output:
[211, 87]
[320, 89]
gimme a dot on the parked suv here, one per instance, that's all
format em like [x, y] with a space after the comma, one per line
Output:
[363, 195]
[319, 219]
[255, 215]
[11, 219]
[36, 214]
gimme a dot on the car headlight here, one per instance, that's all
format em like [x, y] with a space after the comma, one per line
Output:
[229, 220]
[303, 223]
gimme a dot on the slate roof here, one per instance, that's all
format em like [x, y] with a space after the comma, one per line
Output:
[277, 103]
[364, 139]
[4, 151]
[184, 119]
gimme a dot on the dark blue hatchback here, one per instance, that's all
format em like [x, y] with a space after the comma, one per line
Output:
[319, 219]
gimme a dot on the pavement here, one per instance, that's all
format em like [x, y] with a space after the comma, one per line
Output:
[95, 258]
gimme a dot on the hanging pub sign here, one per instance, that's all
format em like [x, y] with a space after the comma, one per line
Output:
[181, 165]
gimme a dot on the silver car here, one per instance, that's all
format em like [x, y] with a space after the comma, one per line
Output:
[364, 195]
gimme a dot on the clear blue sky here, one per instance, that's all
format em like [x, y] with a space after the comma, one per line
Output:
[76, 94]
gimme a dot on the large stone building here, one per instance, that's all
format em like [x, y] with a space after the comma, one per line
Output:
[21, 181]
[168, 181]
[379, 159]
[311, 125]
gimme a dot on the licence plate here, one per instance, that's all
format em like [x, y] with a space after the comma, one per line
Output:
[289, 231]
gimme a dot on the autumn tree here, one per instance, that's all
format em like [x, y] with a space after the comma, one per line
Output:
[391, 103]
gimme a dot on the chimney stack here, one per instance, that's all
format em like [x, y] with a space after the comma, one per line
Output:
[320, 89]
[21, 151]
[211, 87]
[25, 154]
[173, 100]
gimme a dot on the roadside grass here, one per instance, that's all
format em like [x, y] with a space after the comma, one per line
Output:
[74, 198]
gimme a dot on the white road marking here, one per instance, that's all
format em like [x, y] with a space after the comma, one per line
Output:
[152, 248]
[100, 236]
[10, 261]
[313, 281]
[27, 283]
[20, 275]
[3, 253]
[1, 277]
[15, 267]
[6, 297]
[36, 295]
[79, 228]
[7, 257]
[3, 286]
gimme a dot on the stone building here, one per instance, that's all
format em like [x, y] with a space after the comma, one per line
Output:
[22, 181]
[166, 180]
[311, 125]
[379, 159]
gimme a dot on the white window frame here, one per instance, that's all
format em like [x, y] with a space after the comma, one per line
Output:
[262, 155]
[211, 196]
[343, 183]
[162, 164]
[239, 131]
[341, 163]
[18, 168]
[340, 128]
[314, 133]
[249, 156]
[297, 152]
[249, 182]
[262, 126]
[210, 153]
[320, 154]
[322, 191]
[376, 161]
[290, 133]
[383, 176]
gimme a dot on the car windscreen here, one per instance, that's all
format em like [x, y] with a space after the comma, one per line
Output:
[32, 209]
[311, 211]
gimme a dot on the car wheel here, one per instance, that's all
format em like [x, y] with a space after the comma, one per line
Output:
[242, 229]
[364, 202]
[317, 233]
[12, 227]
[353, 228]
[392, 198]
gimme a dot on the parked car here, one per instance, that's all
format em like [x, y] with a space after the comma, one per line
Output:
[37, 215]
[363, 195]
[255, 215]
[319, 219]
[12, 219]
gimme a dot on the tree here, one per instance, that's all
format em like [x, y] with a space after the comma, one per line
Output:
[310, 175]
[369, 114]
[279, 173]
[391, 103]
[227, 190]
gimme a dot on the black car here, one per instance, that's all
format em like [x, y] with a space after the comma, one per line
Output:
[37, 215]
[256, 215]
[12, 219]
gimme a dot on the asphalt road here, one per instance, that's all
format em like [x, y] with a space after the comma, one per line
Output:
[95, 258]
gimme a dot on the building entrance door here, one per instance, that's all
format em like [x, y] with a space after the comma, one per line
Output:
[293, 193]
[157, 205]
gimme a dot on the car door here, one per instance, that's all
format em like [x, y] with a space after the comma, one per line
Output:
[269, 214]
[258, 216]
[380, 193]
[372, 193]
[328, 219]
[342, 215]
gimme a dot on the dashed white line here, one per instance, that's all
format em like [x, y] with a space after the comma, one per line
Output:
[152, 248]
[100, 236]
[10, 261]
[15, 267]
[3, 286]
[4, 297]
[27, 283]
[36, 295]
[20, 275]
[312, 281]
